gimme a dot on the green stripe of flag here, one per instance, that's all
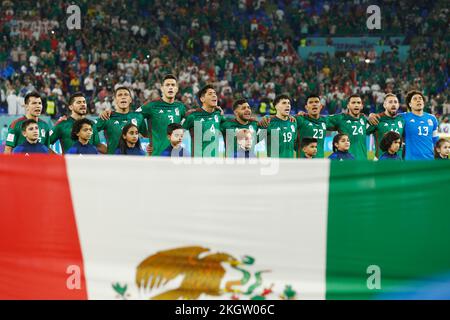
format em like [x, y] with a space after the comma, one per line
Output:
[398, 220]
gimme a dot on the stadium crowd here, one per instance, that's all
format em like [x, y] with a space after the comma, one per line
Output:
[246, 49]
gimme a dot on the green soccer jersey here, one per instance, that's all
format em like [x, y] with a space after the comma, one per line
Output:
[311, 128]
[15, 136]
[204, 128]
[232, 126]
[62, 131]
[355, 128]
[114, 125]
[385, 125]
[159, 115]
[281, 136]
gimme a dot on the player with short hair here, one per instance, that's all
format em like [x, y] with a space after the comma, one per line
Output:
[82, 131]
[204, 124]
[33, 110]
[30, 130]
[243, 120]
[312, 124]
[281, 132]
[62, 130]
[354, 124]
[159, 114]
[421, 128]
[119, 118]
[175, 135]
[389, 120]
[309, 147]
[390, 144]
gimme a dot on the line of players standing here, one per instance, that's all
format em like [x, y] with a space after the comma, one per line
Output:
[410, 136]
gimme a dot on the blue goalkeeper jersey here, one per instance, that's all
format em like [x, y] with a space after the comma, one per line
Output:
[420, 136]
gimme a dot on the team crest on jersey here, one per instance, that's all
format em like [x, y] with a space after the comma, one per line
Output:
[177, 111]
[216, 118]
[430, 122]
[292, 128]
[42, 132]
[134, 121]
[361, 121]
[324, 126]
[400, 125]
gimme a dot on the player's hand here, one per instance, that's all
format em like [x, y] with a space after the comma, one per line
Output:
[63, 118]
[265, 121]
[373, 119]
[105, 115]
[221, 110]
[149, 149]
[301, 113]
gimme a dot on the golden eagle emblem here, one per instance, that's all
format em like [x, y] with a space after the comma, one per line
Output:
[202, 275]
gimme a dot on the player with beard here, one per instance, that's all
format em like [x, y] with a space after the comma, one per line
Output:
[420, 130]
[119, 118]
[62, 130]
[354, 124]
[389, 120]
[33, 109]
[243, 120]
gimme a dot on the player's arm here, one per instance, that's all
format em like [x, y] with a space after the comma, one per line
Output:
[101, 147]
[435, 130]
[106, 114]
[11, 140]
[143, 130]
[298, 140]
[370, 128]
[332, 122]
[188, 122]
[265, 121]
[55, 134]
[100, 124]
[46, 141]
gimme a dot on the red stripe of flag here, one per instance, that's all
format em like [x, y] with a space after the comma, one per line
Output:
[40, 252]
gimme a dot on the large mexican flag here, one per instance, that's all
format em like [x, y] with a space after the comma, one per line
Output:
[151, 228]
